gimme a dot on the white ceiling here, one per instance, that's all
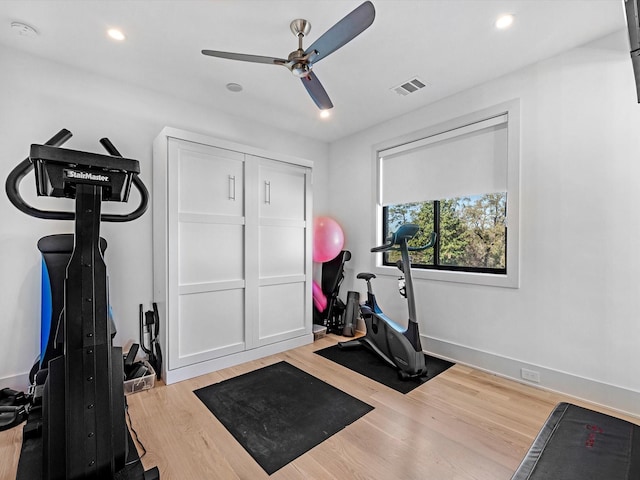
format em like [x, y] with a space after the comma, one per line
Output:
[451, 44]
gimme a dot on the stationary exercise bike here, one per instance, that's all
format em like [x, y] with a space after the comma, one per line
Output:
[399, 347]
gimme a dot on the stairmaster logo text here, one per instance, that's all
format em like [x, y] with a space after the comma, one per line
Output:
[92, 177]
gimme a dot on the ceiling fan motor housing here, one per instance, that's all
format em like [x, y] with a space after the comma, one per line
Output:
[299, 63]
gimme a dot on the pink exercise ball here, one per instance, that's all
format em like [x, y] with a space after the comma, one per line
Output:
[328, 239]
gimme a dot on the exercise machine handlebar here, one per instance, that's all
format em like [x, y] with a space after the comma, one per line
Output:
[404, 234]
[12, 187]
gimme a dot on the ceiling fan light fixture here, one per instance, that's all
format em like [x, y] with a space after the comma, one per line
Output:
[504, 21]
[300, 69]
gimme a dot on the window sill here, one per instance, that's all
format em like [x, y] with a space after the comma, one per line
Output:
[510, 280]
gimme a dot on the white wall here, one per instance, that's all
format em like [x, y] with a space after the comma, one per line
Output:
[576, 316]
[38, 98]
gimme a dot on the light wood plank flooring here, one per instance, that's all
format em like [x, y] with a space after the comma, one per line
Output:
[464, 424]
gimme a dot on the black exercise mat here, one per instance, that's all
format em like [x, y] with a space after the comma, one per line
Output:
[367, 363]
[279, 412]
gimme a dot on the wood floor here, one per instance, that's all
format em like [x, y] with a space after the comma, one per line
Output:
[464, 424]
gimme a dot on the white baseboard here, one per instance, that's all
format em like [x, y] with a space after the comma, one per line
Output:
[21, 381]
[202, 368]
[612, 396]
[18, 382]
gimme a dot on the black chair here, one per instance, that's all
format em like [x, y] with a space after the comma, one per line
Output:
[332, 276]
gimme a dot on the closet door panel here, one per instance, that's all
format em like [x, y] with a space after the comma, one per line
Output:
[210, 324]
[210, 179]
[283, 266]
[281, 311]
[281, 251]
[282, 191]
[206, 258]
[210, 252]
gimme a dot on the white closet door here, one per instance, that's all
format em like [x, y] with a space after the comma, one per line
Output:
[283, 302]
[206, 259]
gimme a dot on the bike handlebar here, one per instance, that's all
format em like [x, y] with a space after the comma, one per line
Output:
[12, 187]
[402, 235]
[430, 243]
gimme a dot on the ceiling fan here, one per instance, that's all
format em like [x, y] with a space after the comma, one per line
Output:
[300, 62]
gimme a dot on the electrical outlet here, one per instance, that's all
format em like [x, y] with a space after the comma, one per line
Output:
[530, 375]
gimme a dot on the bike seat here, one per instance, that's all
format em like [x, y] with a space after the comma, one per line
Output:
[365, 276]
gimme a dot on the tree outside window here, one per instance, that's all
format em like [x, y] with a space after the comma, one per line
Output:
[472, 232]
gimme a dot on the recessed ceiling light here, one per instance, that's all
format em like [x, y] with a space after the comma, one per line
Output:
[504, 21]
[116, 34]
[234, 87]
[325, 113]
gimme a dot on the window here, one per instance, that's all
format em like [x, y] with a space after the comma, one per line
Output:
[460, 180]
[472, 234]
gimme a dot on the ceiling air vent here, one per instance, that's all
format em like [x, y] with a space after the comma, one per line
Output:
[410, 86]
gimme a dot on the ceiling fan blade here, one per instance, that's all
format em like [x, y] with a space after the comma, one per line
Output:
[317, 91]
[245, 58]
[344, 31]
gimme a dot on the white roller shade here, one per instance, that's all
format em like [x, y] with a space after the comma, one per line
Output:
[469, 160]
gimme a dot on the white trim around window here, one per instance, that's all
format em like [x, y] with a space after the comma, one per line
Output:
[508, 112]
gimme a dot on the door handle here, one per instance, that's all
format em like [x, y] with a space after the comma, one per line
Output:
[232, 187]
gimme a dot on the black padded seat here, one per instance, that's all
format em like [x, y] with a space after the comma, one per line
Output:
[577, 443]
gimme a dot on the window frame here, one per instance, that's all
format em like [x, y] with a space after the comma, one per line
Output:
[436, 248]
[511, 278]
